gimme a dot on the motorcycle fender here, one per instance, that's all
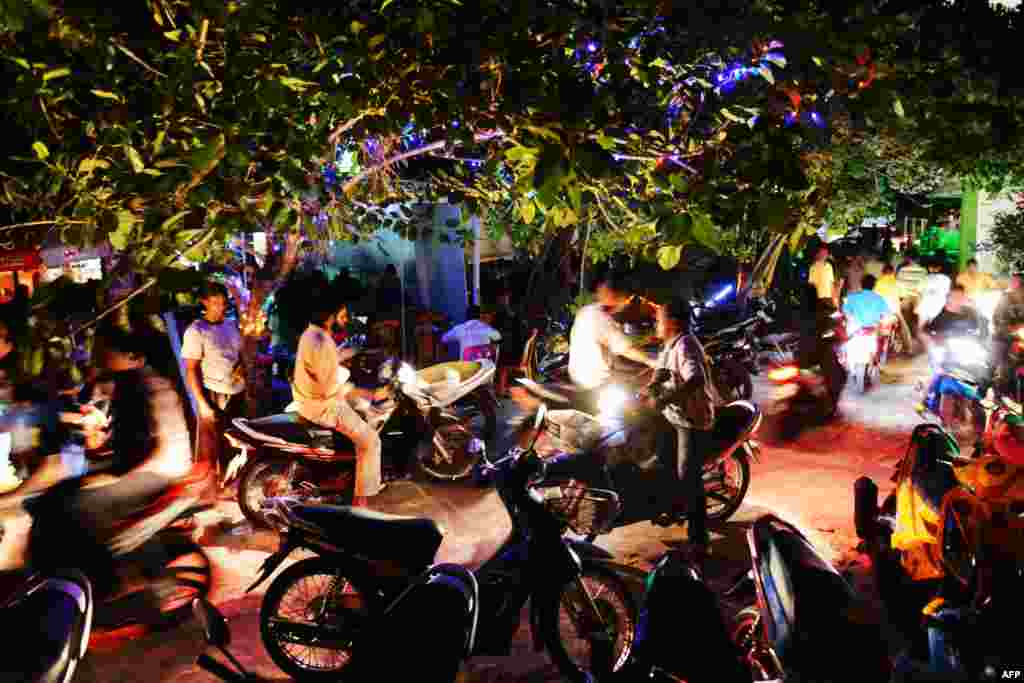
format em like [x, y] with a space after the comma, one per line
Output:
[272, 562]
[235, 466]
[752, 449]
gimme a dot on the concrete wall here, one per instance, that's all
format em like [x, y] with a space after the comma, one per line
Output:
[988, 206]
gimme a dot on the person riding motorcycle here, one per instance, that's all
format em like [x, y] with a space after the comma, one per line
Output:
[682, 389]
[150, 450]
[818, 342]
[323, 393]
[594, 336]
[955, 319]
[1009, 314]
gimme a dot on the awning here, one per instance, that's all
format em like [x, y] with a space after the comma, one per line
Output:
[19, 259]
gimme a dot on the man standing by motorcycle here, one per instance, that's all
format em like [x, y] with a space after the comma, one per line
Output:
[682, 389]
[595, 336]
[1009, 314]
[322, 392]
[823, 276]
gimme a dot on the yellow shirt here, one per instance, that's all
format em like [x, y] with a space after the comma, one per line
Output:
[888, 288]
[823, 278]
[975, 283]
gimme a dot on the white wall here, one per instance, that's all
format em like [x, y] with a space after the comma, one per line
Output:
[988, 206]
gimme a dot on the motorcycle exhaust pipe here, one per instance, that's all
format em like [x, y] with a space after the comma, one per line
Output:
[865, 507]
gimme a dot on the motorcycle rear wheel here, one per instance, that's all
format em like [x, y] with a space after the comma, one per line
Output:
[733, 474]
[305, 589]
[562, 621]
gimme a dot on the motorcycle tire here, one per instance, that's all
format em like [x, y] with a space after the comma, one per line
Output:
[614, 601]
[252, 482]
[282, 654]
[730, 504]
[732, 380]
[453, 463]
[747, 635]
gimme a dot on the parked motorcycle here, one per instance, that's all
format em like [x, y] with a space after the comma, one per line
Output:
[53, 614]
[618, 450]
[314, 611]
[448, 593]
[671, 648]
[285, 454]
[734, 355]
[806, 623]
[546, 353]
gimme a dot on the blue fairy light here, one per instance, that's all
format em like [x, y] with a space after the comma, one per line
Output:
[817, 119]
[591, 46]
[455, 124]
[790, 119]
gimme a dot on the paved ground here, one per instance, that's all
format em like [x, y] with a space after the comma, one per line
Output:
[808, 482]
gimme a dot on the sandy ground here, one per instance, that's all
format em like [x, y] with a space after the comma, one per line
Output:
[809, 482]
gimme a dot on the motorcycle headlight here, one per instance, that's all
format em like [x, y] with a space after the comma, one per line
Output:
[406, 374]
[611, 401]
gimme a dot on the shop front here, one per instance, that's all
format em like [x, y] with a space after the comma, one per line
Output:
[18, 267]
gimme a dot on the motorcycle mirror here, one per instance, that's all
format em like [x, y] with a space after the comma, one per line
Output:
[215, 625]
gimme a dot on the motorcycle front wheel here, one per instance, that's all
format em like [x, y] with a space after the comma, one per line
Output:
[725, 485]
[449, 454]
[596, 603]
[756, 655]
[261, 479]
[309, 619]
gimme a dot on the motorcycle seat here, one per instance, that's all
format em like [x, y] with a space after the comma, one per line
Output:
[410, 541]
[297, 430]
[732, 423]
[52, 647]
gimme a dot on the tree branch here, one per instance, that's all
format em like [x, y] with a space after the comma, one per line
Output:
[349, 186]
[34, 224]
[131, 55]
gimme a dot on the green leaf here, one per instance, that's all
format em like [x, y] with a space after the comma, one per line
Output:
[732, 117]
[90, 165]
[385, 4]
[173, 35]
[897, 106]
[106, 94]
[60, 72]
[705, 232]
[134, 158]
[41, 150]
[575, 197]
[528, 210]
[817, 61]
[297, 84]
[669, 256]
[376, 40]
[23, 63]
[606, 142]
[357, 26]
[120, 237]
[173, 220]
[519, 153]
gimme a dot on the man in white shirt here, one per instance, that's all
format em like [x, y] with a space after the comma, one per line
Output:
[473, 332]
[595, 336]
[322, 391]
[211, 349]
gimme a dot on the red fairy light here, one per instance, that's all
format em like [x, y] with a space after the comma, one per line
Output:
[864, 57]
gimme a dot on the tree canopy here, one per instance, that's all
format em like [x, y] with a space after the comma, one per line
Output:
[170, 124]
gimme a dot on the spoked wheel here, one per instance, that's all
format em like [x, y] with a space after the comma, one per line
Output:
[451, 453]
[749, 640]
[595, 607]
[725, 484]
[309, 619]
[259, 480]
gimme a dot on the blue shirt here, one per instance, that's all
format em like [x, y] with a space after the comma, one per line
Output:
[864, 309]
